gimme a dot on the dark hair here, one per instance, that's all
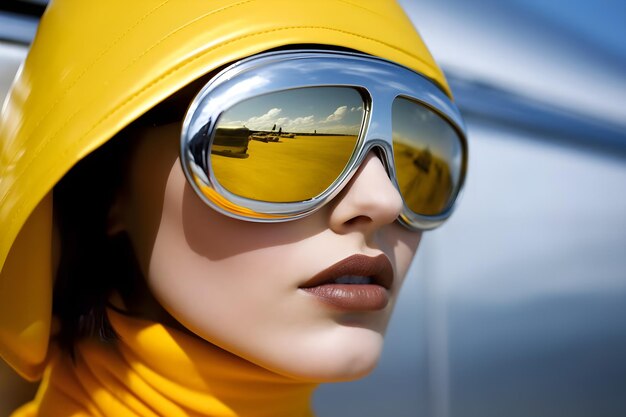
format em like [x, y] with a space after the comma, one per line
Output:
[92, 264]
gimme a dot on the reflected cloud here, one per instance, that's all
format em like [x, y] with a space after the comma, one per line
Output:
[337, 114]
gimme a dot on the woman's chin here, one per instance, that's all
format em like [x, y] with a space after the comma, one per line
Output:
[331, 359]
[336, 369]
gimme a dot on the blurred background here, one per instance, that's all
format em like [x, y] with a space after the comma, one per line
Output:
[517, 305]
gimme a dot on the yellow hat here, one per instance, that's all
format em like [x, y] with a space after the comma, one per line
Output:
[96, 66]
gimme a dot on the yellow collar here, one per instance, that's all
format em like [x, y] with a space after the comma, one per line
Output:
[158, 371]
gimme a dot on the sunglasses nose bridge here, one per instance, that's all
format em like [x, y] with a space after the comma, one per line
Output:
[378, 127]
[384, 152]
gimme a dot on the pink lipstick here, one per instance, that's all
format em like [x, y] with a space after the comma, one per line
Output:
[356, 283]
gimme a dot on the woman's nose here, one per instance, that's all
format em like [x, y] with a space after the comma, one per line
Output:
[368, 202]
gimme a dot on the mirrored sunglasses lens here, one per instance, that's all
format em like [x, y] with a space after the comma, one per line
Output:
[428, 157]
[286, 146]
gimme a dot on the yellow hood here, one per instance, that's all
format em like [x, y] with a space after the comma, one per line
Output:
[96, 66]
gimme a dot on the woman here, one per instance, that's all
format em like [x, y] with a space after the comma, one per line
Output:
[199, 262]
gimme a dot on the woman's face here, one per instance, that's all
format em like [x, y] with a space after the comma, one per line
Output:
[239, 285]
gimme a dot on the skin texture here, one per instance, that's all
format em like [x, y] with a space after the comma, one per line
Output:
[235, 283]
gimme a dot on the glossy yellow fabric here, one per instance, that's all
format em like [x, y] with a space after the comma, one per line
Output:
[157, 371]
[96, 66]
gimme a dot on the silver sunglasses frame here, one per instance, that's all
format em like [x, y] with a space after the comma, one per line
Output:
[380, 80]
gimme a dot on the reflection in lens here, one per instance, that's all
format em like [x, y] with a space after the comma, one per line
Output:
[287, 146]
[428, 156]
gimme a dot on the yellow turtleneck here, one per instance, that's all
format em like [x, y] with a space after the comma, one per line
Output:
[155, 371]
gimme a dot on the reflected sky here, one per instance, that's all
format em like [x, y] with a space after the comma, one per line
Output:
[337, 110]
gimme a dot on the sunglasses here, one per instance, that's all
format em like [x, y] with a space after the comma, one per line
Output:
[274, 137]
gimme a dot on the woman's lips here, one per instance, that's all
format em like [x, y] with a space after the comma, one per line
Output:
[373, 277]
